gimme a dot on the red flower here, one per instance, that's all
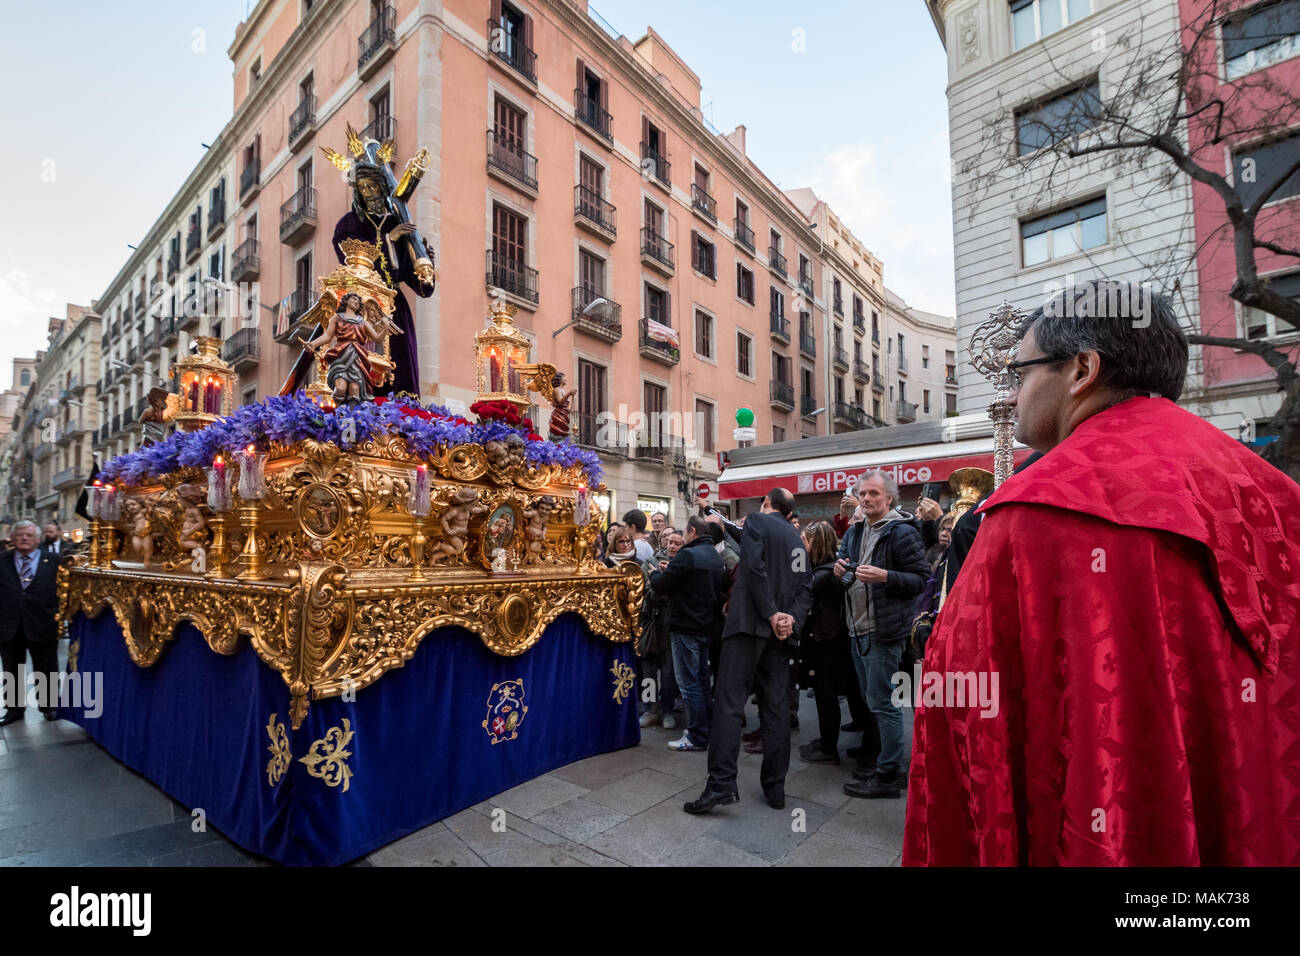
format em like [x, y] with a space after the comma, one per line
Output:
[381, 399]
[533, 436]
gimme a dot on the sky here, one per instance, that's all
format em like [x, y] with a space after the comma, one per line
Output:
[845, 96]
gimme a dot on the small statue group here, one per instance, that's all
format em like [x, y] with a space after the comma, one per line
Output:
[455, 524]
[352, 371]
[505, 454]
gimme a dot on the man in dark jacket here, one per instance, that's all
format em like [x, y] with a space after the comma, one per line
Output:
[882, 568]
[29, 595]
[692, 582]
[769, 601]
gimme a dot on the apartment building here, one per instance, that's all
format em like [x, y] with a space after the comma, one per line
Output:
[56, 422]
[22, 375]
[571, 171]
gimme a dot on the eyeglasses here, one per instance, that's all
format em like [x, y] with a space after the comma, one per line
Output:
[1017, 380]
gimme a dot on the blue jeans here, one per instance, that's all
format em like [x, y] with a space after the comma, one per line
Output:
[875, 668]
[691, 667]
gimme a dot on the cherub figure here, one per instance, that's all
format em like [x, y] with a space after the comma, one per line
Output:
[546, 379]
[194, 526]
[141, 533]
[535, 519]
[455, 524]
[516, 448]
[498, 455]
[343, 345]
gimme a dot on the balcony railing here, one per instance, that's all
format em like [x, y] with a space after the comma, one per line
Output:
[380, 37]
[950, 375]
[588, 205]
[902, 363]
[148, 342]
[591, 113]
[133, 356]
[860, 371]
[655, 164]
[168, 330]
[657, 349]
[657, 446]
[379, 129]
[128, 417]
[806, 284]
[586, 430]
[780, 327]
[303, 118]
[838, 305]
[859, 321]
[656, 247]
[193, 243]
[744, 235]
[783, 395]
[509, 47]
[776, 261]
[299, 302]
[117, 424]
[249, 178]
[241, 349]
[807, 344]
[510, 276]
[875, 336]
[173, 266]
[807, 405]
[246, 263]
[841, 358]
[298, 215]
[216, 217]
[508, 156]
[906, 411]
[66, 478]
[850, 414]
[603, 321]
[702, 202]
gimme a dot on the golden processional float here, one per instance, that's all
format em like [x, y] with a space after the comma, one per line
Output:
[336, 556]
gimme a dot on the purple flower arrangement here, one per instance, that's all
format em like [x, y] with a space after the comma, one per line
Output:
[285, 419]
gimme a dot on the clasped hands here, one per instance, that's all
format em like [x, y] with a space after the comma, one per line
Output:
[782, 624]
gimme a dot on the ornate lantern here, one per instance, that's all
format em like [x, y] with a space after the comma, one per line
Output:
[206, 386]
[499, 350]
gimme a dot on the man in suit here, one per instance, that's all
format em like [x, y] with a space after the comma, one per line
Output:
[771, 597]
[29, 595]
[53, 544]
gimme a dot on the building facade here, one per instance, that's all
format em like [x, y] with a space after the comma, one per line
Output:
[570, 172]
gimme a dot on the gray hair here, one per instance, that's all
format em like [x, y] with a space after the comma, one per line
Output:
[19, 525]
[891, 486]
[1132, 328]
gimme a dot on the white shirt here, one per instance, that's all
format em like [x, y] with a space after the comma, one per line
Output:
[643, 550]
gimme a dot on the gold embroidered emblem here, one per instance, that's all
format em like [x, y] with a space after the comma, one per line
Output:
[327, 759]
[624, 681]
[279, 749]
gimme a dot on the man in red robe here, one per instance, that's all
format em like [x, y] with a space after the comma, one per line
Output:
[1135, 593]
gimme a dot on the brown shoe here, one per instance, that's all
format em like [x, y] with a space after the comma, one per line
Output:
[754, 746]
[753, 735]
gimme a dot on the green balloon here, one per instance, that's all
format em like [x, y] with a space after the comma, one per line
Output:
[745, 417]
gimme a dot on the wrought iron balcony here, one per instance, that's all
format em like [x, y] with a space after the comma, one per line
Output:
[117, 424]
[133, 356]
[604, 322]
[902, 363]
[841, 359]
[591, 210]
[303, 118]
[859, 321]
[216, 217]
[168, 330]
[590, 112]
[776, 261]
[586, 430]
[906, 411]
[299, 302]
[780, 327]
[838, 305]
[950, 375]
[654, 446]
[656, 250]
[377, 43]
[512, 277]
[663, 352]
[250, 178]
[875, 336]
[173, 266]
[193, 243]
[246, 263]
[860, 371]
[128, 417]
[807, 405]
[807, 344]
[806, 284]
[510, 49]
[148, 342]
[241, 350]
[507, 156]
[847, 414]
[380, 128]
[783, 395]
[67, 478]
[703, 203]
[744, 235]
[298, 215]
[655, 164]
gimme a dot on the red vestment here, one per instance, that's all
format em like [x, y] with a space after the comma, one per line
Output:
[1137, 592]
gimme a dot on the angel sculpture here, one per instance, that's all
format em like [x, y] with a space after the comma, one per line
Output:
[547, 380]
[353, 370]
[137, 515]
[455, 520]
[194, 526]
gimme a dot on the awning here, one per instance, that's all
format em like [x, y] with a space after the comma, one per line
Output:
[911, 465]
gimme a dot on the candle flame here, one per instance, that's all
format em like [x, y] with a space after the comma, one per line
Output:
[217, 461]
[250, 450]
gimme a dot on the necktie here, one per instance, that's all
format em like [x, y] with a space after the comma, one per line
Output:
[27, 570]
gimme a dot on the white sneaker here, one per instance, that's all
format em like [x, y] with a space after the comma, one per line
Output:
[683, 744]
[649, 719]
[670, 722]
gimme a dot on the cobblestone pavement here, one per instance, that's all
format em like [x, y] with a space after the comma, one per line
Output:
[65, 802]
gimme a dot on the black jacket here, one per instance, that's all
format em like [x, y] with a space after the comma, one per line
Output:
[826, 619]
[36, 607]
[772, 576]
[692, 582]
[900, 551]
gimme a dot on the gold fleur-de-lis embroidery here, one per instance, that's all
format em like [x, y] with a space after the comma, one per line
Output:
[280, 755]
[74, 649]
[624, 680]
[327, 759]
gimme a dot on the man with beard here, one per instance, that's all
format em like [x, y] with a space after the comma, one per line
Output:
[1131, 600]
